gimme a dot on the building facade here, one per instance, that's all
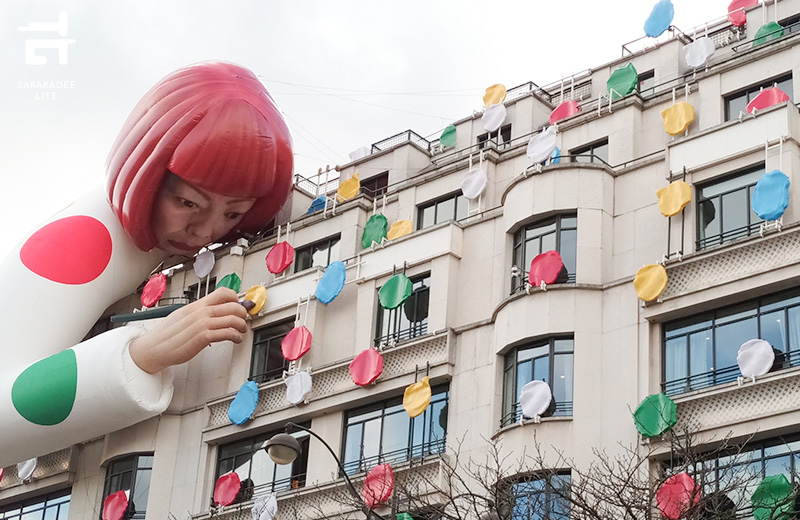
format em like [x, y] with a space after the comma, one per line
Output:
[473, 323]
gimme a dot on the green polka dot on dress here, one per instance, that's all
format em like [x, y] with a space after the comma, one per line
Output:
[44, 393]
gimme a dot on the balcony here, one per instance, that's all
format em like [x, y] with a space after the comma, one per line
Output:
[335, 379]
[51, 470]
[735, 262]
[331, 500]
[720, 409]
[733, 137]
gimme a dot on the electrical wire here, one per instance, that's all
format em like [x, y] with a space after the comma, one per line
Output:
[370, 104]
[375, 92]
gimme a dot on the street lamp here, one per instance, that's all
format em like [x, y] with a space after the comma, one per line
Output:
[283, 449]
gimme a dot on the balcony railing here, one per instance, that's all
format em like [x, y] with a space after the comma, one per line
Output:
[724, 375]
[396, 457]
[393, 338]
[522, 283]
[562, 409]
[727, 236]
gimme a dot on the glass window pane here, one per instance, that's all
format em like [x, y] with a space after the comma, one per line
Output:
[728, 339]
[333, 252]
[531, 352]
[794, 328]
[568, 250]
[372, 438]
[352, 446]
[524, 376]
[445, 210]
[786, 85]
[462, 207]
[701, 352]
[141, 490]
[778, 465]
[734, 213]
[562, 378]
[262, 468]
[601, 152]
[509, 398]
[427, 217]
[675, 359]
[563, 345]
[708, 223]
[735, 105]
[541, 369]
[548, 242]
[540, 229]
[395, 432]
[773, 329]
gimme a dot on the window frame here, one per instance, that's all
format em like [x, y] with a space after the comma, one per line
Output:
[458, 199]
[511, 412]
[315, 247]
[726, 236]
[576, 154]
[520, 243]
[380, 182]
[397, 316]
[548, 490]
[298, 473]
[138, 466]
[757, 309]
[749, 92]
[501, 136]
[439, 394]
[14, 510]
[198, 290]
[641, 83]
[274, 373]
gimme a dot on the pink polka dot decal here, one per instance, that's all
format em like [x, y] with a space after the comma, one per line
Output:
[72, 250]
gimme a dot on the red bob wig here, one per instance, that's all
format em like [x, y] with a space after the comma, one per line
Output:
[215, 126]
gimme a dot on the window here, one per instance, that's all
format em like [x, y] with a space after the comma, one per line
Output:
[453, 207]
[200, 289]
[541, 498]
[258, 473]
[738, 472]
[723, 208]
[318, 254]
[504, 133]
[53, 506]
[375, 186]
[647, 83]
[548, 360]
[559, 233]
[790, 25]
[700, 351]
[410, 319]
[268, 362]
[130, 474]
[593, 153]
[383, 432]
[737, 102]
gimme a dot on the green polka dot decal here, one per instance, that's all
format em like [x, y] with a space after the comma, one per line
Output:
[45, 391]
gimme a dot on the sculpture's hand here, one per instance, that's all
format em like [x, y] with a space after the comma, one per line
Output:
[184, 333]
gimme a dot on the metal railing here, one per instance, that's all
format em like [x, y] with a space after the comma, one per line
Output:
[393, 338]
[724, 375]
[417, 451]
[562, 409]
[727, 236]
[768, 38]
[407, 136]
[522, 281]
[247, 492]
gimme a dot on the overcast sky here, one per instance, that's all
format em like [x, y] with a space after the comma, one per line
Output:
[345, 73]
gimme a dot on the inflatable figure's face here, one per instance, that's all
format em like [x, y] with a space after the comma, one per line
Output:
[186, 217]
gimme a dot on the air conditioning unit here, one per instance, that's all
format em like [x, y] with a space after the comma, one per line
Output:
[436, 148]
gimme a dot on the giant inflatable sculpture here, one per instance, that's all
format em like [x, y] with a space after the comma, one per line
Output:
[205, 156]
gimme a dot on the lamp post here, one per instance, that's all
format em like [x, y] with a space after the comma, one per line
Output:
[283, 449]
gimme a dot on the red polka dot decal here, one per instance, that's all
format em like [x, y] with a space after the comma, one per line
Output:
[72, 250]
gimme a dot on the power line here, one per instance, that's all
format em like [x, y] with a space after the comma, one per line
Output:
[376, 92]
[371, 104]
[335, 153]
